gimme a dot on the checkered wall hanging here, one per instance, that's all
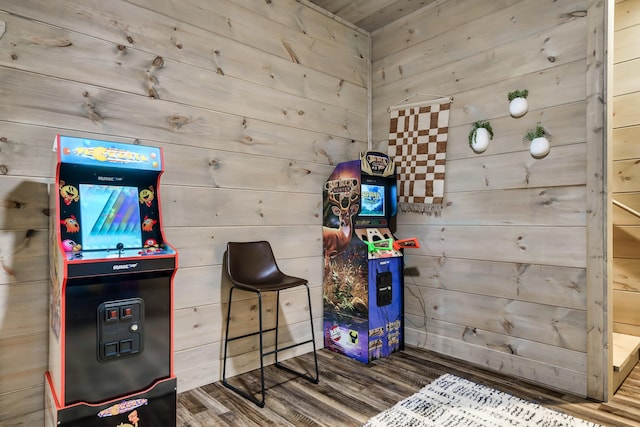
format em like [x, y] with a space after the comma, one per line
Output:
[418, 143]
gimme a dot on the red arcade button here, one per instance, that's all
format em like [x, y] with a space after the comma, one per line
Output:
[111, 314]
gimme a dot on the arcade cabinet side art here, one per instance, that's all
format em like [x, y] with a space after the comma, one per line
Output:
[345, 278]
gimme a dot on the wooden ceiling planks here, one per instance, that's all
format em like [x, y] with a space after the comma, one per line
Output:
[371, 15]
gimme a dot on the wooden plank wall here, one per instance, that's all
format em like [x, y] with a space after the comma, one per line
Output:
[625, 169]
[253, 103]
[501, 277]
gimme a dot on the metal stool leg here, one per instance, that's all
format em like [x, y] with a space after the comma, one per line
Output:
[246, 395]
[243, 393]
[313, 337]
[226, 339]
[261, 403]
[315, 379]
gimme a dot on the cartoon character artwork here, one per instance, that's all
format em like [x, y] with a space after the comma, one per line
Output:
[133, 419]
[69, 193]
[150, 246]
[123, 408]
[148, 223]
[336, 240]
[147, 195]
[69, 245]
[71, 223]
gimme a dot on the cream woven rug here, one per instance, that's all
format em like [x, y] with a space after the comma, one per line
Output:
[454, 401]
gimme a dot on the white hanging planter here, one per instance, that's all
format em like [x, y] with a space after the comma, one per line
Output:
[480, 140]
[518, 104]
[480, 135]
[539, 147]
[518, 107]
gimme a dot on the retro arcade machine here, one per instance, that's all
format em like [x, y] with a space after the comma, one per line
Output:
[111, 313]
[363, 264]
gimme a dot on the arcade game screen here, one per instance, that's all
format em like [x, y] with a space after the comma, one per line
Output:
[111, 215]
[372, 200]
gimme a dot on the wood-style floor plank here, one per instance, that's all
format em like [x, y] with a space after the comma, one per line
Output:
[350, 392]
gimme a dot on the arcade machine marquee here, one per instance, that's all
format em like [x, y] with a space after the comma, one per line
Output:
[111, 299]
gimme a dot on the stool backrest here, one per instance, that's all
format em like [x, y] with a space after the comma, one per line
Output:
[251, 262]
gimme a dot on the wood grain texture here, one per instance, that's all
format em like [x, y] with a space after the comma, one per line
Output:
[349, 393]
[186, 80]
[254, 105]
[472, 252]
[371, 15]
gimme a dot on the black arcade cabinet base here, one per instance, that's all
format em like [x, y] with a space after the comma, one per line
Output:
[155, 407]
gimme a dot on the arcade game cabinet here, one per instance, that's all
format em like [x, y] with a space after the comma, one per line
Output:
[111, 301]
[363, 265]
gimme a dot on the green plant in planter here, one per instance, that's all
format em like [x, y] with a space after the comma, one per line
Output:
[538, 139]
[518, 94]
[538, 132]
[480, 135]
[477, 125]
[518, 104]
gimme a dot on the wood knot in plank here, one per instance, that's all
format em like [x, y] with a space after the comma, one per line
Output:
[90, 111]
[291, 52]
[158, 61]
[3, 139]
[176, 122]
[468, 330]
[11, 204]
[507, 326]
[4, 170]
[130, 39]
[10, 271]
[51, 42]
[569, 16]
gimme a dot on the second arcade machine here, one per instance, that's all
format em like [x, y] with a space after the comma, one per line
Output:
[363, 264]
[111, 314]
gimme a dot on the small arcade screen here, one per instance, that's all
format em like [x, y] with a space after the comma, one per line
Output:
[372, 200]
[108, 199]
[111, 216]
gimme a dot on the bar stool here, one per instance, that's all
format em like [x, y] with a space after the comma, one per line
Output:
[251, 267]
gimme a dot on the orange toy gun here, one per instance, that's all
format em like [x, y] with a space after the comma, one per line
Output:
[411, 242]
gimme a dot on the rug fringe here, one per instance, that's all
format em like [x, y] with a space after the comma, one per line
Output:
[421, 208]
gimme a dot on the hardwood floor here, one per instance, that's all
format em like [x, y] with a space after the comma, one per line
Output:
[350, 393]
